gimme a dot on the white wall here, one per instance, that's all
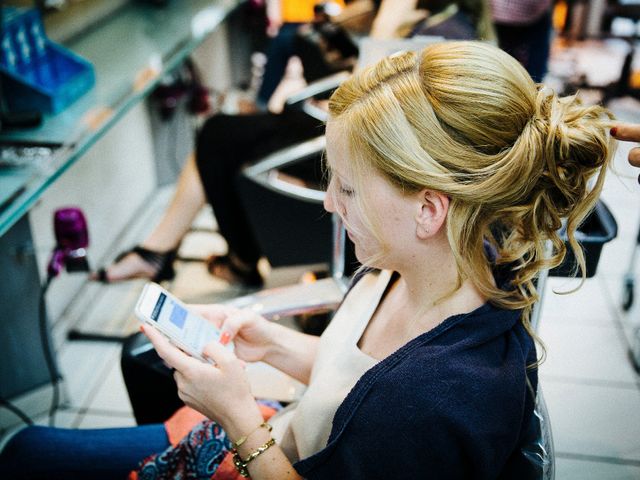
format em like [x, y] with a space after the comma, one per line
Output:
[213, 60]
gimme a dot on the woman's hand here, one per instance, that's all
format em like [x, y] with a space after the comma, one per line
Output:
[257, 339]
[251, 333]
[221, 391]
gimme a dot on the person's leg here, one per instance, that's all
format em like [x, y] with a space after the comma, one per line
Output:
[280, 49]
[56, 453]
[187, 201]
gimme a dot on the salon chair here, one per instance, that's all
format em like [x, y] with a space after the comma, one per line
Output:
[598, 228]
[286, 215]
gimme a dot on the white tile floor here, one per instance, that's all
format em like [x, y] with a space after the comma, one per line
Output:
[592, 390]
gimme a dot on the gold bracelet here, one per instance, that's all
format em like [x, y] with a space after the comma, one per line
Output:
[235, 445]
[241, 465]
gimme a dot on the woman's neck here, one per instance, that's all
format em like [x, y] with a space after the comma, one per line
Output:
[427, 287]
[423, 296]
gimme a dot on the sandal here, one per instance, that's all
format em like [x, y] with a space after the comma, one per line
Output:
[246, 276]
[162, 262]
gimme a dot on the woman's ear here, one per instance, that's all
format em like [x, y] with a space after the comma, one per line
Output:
[432, 213]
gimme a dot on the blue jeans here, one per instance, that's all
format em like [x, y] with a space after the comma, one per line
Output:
[57, 453]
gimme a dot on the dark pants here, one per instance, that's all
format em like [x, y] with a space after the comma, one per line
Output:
[529, 44]
[224, 145]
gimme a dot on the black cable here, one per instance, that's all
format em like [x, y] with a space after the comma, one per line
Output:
[19, 413]
[48, 354]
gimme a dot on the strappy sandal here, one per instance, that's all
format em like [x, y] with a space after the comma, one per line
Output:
[246, 276]
[162, 262]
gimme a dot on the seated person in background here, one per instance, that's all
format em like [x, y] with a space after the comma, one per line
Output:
[451, 169]
[224, 145]
[285, 18]
[524, 30]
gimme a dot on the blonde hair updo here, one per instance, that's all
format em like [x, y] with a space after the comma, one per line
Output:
[465, 119]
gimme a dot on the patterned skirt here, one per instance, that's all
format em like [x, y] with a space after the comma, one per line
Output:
[204, 453]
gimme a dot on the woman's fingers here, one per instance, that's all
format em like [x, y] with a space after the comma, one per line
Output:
[173, 356]
[214, 313]
[629, 132]
[626, 131]
[634, 156]
[222, 356]
[235, 321]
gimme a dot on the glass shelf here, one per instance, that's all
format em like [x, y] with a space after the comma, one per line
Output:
[130, 53]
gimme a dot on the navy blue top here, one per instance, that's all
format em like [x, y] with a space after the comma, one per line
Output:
[452, 403]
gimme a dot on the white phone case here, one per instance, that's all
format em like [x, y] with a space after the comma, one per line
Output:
[173, 319]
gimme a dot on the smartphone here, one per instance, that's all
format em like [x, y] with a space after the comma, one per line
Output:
[186, 330]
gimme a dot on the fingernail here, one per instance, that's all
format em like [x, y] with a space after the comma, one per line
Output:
[224, 338]
[613, 131]
[142, 328]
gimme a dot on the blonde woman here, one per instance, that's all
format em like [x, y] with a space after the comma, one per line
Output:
[451, 169]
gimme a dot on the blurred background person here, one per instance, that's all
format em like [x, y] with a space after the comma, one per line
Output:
[523, 29]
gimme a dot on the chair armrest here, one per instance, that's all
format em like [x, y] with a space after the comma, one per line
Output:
[320, 296]
[265, 171]
[319, 87]
[315, 111]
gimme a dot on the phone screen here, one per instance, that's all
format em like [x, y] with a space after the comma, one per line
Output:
[191, 329]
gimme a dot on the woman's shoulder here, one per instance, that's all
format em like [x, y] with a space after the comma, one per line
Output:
[482, 357]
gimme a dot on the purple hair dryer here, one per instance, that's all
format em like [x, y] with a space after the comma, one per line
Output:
[72, 240]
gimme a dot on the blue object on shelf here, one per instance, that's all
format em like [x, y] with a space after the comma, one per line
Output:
[38, 74]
